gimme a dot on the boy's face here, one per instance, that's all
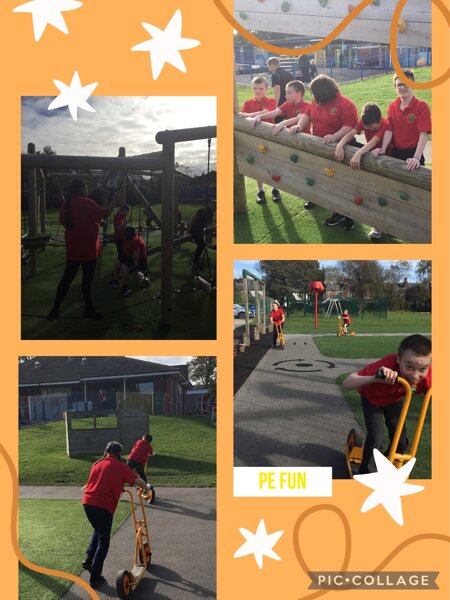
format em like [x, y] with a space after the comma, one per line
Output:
[402, 89]
[413, 367]
[374, 126]
[292, 95]
[272, 68]
[259, 90]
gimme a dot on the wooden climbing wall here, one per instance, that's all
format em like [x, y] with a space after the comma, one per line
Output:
[382, 193]
[319, 17]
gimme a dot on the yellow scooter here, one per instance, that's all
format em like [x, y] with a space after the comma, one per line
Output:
[341, 330]
[127, 581]
[354, 443]
[280, 336]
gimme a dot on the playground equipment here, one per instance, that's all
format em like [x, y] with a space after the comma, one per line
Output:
[127, 581]
[316, 288]
[163, 161]
[354, 443]
[280, 336]
[382, 193]
[318, 18]
[341, 331]
[259, 292]
[334, 304]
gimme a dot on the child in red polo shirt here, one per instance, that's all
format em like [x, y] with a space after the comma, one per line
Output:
[409, 123]
[121, 220]
[258, 106]
[290, 110]
[346, 321]
[374, 126]
[101, 496]
[134, 257]
[382, 399]
[277, 319]
[81, 218]
[139, 455]
[332, 116]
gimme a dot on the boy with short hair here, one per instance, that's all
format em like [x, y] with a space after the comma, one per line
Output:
[290, 110]
[280, 79]
[382, 398]
[374, 126]
[409, 123]
[256, 107]
[139, 455]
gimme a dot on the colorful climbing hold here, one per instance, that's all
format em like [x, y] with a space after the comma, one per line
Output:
[243, 16]
[403, 195]
[276, 177]
[358, 200]
[293, 158]
[402, 26]
[250, 159]
[262, 148]
[310, 181]
[350, 7]
[323, 3]
[286, 7]
[382, 201]
[329, 171]
[376, 2]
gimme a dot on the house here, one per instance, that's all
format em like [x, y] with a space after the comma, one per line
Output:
[51, 385]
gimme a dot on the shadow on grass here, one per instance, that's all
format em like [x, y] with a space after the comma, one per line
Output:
[53, 585]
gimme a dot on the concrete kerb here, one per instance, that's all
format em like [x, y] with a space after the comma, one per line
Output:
[182, 525]
[290, 412]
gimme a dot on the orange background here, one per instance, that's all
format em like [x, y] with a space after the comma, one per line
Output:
[99, 47]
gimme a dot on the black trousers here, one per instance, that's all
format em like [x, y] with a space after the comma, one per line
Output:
[101, 520]
[376, 417]
[138, 467]
[72, 266]
[201, 244]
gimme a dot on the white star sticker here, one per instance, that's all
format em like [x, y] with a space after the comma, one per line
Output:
[259, 544]
[48, 12]
[74, 95]
[388, 485]
[166, 45]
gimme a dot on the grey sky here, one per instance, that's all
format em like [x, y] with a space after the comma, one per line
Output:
[130, 121]
[165, 360]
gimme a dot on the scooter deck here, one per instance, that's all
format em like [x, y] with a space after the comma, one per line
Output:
[138, 571]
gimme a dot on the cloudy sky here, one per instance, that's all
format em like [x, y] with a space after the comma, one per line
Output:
[130, 121]
[251, 265]
[165, 360]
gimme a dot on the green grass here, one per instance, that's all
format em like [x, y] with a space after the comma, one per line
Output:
[422, 468]
[358, 347]
[54, 534]
[133, 317]
[288, 221]
[396, 322]
[185, 450]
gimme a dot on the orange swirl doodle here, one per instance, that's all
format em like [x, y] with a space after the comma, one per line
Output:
[348, 544]
[335, 33]
[15, 542]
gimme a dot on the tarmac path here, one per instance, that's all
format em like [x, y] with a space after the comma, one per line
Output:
[182, 526]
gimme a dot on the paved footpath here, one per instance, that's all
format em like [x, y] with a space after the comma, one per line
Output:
[290, 411]
[182, 525]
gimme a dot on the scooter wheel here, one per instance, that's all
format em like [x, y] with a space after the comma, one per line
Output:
[124, 588]
[153, 498]
[354, 438]
[148, 555]
[353, 333]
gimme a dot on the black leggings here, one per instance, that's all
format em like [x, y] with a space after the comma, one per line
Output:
[101, 520]
[405, 154]
[201, 244]
[72, 266]
[138, 467]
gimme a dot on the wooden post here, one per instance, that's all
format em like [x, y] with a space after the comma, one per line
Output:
[167, 214]
[122, 183]
[258, 311]
[246, 339]
[240, 199]
[43, 204]
[32, 211]
[264, 323]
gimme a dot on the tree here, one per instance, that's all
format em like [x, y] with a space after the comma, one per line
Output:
[202, 371]
[418, 297]
[283, 277]
[366, 278]
[423, 272]
[396, 276]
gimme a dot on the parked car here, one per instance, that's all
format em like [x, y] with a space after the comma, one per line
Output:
[239, 312]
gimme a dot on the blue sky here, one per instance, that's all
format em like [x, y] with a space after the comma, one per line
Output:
[251, 265]
[130, 121]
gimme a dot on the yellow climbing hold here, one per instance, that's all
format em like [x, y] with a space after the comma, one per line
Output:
[329, 171]
[402, 26]
[262, 148]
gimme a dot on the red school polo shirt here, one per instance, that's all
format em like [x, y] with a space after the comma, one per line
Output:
[291, 110]
[253, 105]
[105, 483]
[141, 451]
[119, 225]
[82, 243]
[277, 316]
[369, 133]
[382, 394]
[330, 117]
[137, 243]
[407, 124]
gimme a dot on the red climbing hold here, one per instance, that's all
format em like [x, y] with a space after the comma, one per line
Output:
[358, 200]
[276, 177]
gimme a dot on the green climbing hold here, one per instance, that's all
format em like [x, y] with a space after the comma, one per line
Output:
[310, 181]
[382, 201]
[323, 3]
[243, 16]
[376, 2]
[294, 158]
[250, 159]
[403, 196]
[286, 7]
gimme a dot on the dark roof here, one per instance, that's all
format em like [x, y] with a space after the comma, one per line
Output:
[60, 369]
